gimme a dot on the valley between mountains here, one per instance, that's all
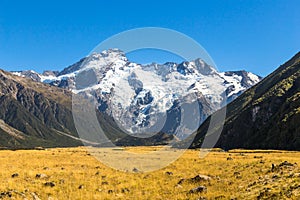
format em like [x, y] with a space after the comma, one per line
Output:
[37, 114]
[36, 109]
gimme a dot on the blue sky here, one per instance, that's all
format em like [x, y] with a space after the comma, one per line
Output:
[253, 35]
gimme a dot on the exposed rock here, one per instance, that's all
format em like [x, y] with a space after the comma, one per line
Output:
[236, 173]
[266, 194]
[262, 161]
[275, 177]
[41, 176]
[200, 177]
[181, 181]
[6, 194]
[169, 173]
[198, 189]
[98, 190]
[110, 191]
[286, 163]
[135, 170]
[257, 157]
[49, 184]
[125, 190]
[238, 177]
[50, 73]
[14, 175]
[80, 187]
[274, 168]
[104, 183]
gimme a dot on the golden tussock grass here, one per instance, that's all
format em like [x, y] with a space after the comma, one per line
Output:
[76, 174]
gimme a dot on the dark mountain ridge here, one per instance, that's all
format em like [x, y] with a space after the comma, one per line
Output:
[34, 114]
[266, 116]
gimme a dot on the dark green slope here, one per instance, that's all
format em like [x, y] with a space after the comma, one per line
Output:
[267, 116]
[37, 111]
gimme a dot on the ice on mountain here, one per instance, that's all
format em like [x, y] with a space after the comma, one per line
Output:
[139, 96]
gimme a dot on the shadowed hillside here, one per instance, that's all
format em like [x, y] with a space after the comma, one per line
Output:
[266, 116]
[34, 114]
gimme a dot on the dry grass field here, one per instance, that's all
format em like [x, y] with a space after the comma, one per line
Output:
[73, 173]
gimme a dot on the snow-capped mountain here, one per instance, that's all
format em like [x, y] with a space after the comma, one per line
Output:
[154, 97]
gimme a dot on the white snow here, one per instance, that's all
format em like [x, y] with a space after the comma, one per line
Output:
[235, 81]
[165, 83]
[49, 79]
[17, 73]
[254, 78]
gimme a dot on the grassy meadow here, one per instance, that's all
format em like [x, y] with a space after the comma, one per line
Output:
[74, 173]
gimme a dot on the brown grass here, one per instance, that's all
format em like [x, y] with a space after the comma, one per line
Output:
[78, 175]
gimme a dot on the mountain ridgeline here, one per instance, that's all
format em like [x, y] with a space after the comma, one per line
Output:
[34, 114]
[266, 116]
[143, 97]
[36, 109]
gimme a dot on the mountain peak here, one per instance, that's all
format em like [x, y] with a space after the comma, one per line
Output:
[113, 51]
[137, 94]
[109, 55]
[266, 116]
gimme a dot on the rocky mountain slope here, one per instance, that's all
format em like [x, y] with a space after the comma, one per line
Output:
[267, 116]
[138, 97]
[34, 114]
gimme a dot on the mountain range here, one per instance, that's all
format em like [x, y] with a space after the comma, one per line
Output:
[36, 109]
[140, 96]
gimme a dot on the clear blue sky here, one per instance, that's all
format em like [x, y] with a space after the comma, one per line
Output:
[254, 35]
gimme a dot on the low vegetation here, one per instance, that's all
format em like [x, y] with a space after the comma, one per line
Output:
[73, 173]
[266, 116]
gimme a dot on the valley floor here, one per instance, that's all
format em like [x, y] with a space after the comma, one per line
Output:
[73, 173]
